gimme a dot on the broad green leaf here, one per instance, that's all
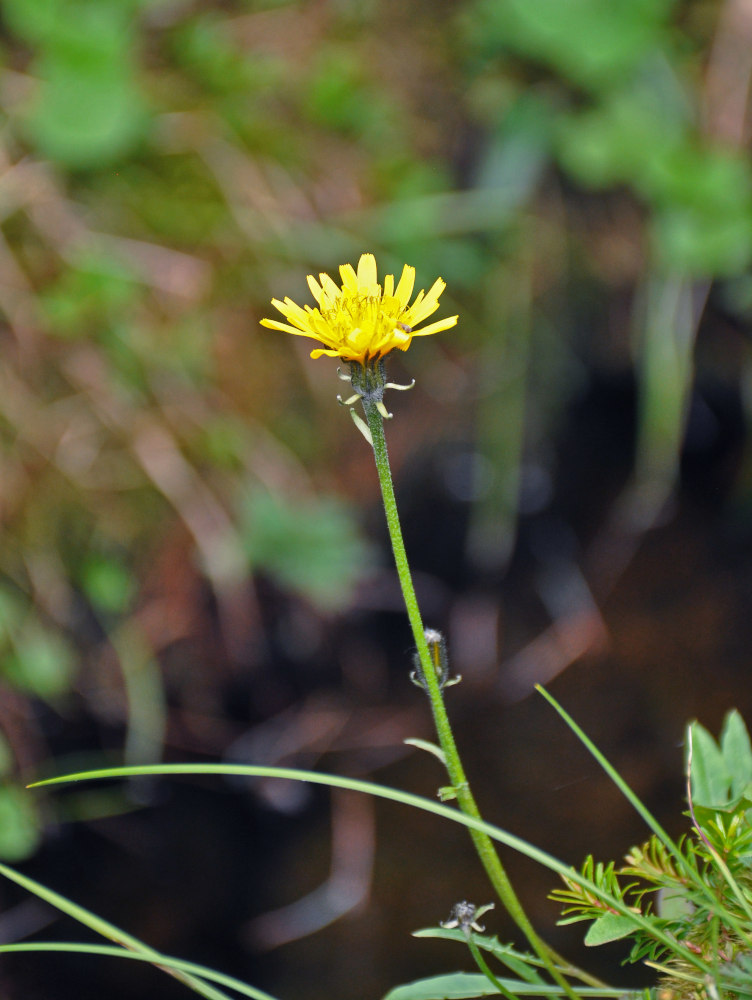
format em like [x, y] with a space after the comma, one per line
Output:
[691, 174]
[609, 927]
[466, 985]
[709, 774]
[737, 753]
[454, 986]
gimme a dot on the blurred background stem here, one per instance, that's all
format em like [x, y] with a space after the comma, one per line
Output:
[668, 314]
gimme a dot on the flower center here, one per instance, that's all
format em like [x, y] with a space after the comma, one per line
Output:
[360, 320]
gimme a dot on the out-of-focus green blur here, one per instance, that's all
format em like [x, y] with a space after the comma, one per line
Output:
[167, 167]
[579, 174]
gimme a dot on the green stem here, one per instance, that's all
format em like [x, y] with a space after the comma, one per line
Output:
[465, 799]
[483, 966]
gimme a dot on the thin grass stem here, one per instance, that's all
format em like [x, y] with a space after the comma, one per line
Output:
[495, 833]
[165, 962]
[484, 968]
[109, 931]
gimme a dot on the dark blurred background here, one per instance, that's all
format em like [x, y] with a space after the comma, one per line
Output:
[193, 562]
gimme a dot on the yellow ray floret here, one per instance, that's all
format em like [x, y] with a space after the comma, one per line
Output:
[360, 321]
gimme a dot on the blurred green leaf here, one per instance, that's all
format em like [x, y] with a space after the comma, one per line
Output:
[108, 584]
[340, 97]
[57, 23]
[181, 348]
[222, 441]
[87, 295]
[12, 612]
[698, 243]
[617, 141]
[85, 118]
[673, 905]
[173, 198]
[311, 546]
[20, 830]
[594, 43]
[703, 199]
[88, 108]
[32, 20]
[40, 663]
[6, 756]
[211, 55]
[704, 177]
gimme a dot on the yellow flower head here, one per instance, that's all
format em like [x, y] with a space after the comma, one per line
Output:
[360, 322]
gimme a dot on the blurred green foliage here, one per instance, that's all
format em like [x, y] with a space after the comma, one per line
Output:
[311, 548]
[88, 109]
[166, 168]
[20, 827]
[631, 118]
[36, 659]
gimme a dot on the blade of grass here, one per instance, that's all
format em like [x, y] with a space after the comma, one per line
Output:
[165, 961]
[505, 991]
[406, 798]
[614, 775]
[107, 930]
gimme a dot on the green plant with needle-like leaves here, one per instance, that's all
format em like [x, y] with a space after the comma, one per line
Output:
[697, 892]
[698, 936]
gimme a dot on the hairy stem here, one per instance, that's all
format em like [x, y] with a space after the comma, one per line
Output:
[465, 799]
